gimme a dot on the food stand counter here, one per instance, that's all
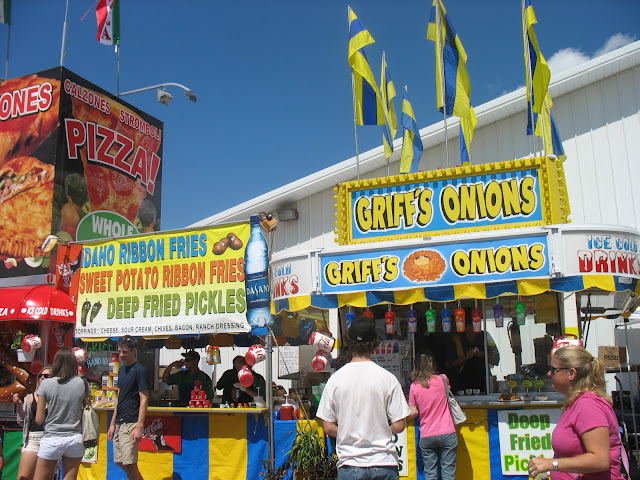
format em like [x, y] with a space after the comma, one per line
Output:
[214, 443]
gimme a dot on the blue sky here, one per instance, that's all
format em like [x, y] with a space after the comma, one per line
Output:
[272, 79]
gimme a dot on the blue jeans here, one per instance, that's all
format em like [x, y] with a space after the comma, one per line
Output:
[368, 473]
[442, 450]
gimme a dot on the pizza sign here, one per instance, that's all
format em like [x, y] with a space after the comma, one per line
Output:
[76, 162]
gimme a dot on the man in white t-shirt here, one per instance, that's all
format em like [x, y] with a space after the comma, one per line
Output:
[363, 406]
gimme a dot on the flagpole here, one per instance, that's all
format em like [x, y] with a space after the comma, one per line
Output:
[468, 147]
[353, 95]
[529, 82]
[355, 128]
[64, 35]
[6, 69]
[118, 71]
[442, 79]
[386, 107]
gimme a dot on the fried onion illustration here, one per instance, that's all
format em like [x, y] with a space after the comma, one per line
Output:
[424, 266]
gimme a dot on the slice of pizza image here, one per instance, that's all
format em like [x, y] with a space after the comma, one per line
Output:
[28, 114]
[26, 199]
[111, 188]
[424, 266]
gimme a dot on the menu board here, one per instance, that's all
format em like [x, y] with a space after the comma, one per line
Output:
[387, 356]
[289, 363]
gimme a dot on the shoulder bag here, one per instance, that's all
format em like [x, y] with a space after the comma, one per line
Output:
[457, 414]
[90, 421]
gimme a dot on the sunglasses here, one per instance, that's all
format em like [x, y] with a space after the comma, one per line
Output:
[45, 375]
[553, 370]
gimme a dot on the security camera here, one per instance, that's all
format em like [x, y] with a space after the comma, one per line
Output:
[191, 96]
[164, 97]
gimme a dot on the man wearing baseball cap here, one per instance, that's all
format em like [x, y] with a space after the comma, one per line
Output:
[363, 406]
[185, 379]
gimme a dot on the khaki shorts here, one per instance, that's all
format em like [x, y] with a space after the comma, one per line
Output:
[33, 442]
[125, 450]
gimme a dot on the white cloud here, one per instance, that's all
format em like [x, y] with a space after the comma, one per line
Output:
[570, 57]
[616, 41]
[565, 59]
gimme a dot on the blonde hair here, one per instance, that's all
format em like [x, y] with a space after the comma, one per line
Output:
[424, 371]
[589, 373]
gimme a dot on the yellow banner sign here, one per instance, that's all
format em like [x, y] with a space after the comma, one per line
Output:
[184, 282]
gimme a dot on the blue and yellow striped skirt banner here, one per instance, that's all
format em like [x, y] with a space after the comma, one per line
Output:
[218, 446]
[449, 293]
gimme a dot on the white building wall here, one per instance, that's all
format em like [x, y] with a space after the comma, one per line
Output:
[600, 127]
[597, 110]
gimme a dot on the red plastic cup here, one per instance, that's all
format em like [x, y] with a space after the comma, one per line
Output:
[256, 354]
[80, 353]
[206, 403]
[245, 377]
[322, 342]
[320, 361]
[31, 342]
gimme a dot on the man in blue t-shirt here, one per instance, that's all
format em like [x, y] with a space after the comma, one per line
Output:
[130, 411]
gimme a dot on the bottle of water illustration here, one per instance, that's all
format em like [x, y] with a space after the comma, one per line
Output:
[256, 266]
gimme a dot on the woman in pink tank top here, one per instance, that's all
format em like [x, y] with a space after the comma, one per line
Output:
[438, 438]
[586, 441]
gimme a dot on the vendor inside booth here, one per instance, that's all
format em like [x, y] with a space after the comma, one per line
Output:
[186, 378]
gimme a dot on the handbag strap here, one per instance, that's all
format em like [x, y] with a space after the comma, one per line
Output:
[446, 385]
[623, 454]
[86, 401]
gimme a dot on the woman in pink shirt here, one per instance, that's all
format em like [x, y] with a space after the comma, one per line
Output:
[438, 439]
[586, 440]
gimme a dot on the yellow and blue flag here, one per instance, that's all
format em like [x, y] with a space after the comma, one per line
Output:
[451, 64]
[467, 126]
[452, 78]
[388, 92]
[547, 129]
[539, 101]
[538, 72]
[368, 106]
[412, 145]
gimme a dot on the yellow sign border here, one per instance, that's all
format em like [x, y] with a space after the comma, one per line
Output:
[554, 197]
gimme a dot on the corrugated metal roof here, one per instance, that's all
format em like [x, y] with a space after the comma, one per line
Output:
[488, 113]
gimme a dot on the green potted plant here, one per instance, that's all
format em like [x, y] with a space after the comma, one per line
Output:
[278, 473]
[17, 341]
[308, 456]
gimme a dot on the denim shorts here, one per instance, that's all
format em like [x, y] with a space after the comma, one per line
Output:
[54, 448]
[384, 472]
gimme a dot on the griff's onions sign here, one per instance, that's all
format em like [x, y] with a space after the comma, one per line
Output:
[400, 267]
[518, 193]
